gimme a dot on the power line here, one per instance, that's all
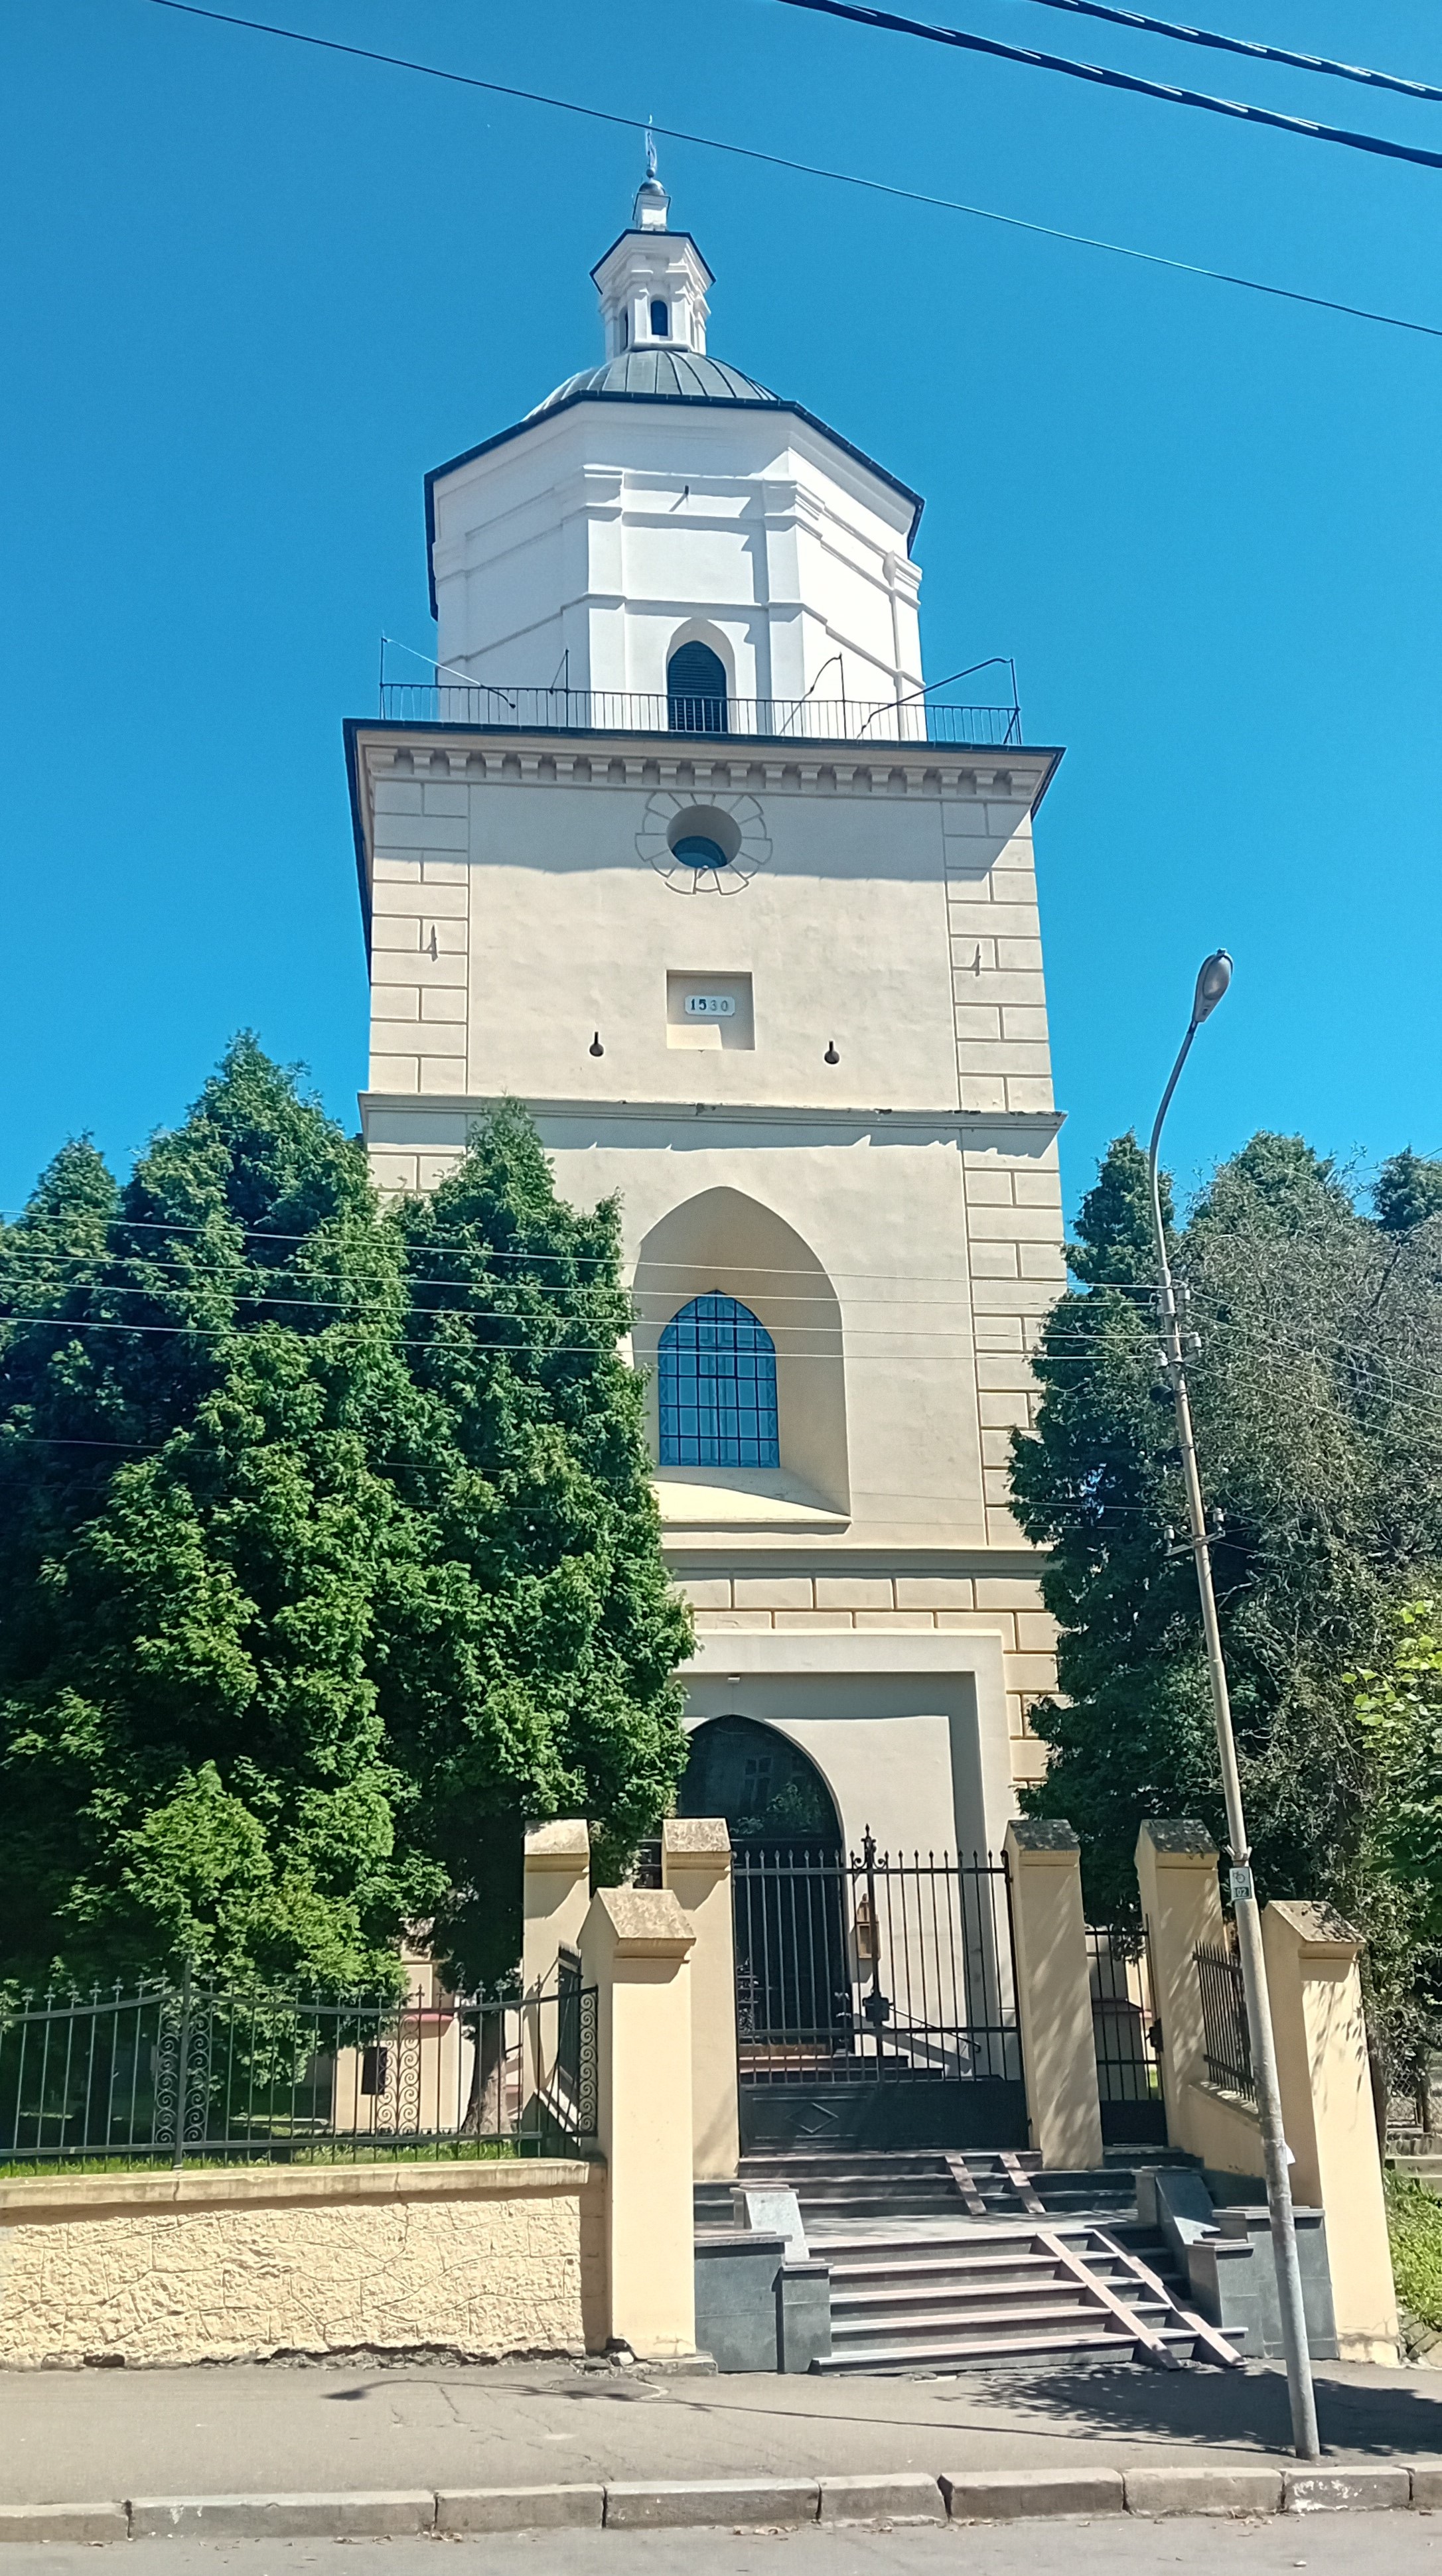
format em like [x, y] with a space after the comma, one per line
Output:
[1245, 45]
[811, 170]
[1103, 78]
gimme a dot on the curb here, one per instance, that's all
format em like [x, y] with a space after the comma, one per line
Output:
[750, 2504]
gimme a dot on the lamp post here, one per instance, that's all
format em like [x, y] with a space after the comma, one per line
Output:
[1212, 982]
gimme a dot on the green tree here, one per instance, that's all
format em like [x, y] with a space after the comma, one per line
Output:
[326, 1555]
[1399, 1707]
[530, 1674]
[1319, 1408]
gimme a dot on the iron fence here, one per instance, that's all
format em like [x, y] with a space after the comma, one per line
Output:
[872, 1969]
[1129, 2078]
[181, 2073]
[848, 720]
[1227, 2048]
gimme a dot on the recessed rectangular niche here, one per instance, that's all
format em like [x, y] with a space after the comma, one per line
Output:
[709, 1010]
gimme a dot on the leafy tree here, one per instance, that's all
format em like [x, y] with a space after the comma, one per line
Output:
[327, 1555]
[1399, 1708]
[1408, 1192]
[1316, 1395]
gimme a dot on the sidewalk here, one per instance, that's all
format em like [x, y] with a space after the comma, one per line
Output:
[282, 2428]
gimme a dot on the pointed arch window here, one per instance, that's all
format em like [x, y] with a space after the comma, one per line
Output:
[718, 1388]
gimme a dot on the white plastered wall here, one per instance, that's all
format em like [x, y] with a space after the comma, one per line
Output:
[600, 531]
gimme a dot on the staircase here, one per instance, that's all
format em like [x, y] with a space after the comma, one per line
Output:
[985, 2262]
[840, 2190]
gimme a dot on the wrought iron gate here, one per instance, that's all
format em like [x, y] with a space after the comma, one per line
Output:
[1129, 2074]
[875, 2000]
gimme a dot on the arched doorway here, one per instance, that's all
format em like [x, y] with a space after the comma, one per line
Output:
[767, 1789]
[793, 1967]
[875, 1995]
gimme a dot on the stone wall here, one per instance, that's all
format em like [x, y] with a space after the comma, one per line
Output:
[1005, 1606]
[483, 2259]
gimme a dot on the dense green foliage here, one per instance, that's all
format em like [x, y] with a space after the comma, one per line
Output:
[1399, 1708]
[327, 1551]
[1414, 2224]
[1318, 1403]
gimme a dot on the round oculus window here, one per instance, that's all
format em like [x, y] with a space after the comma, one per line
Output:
[704, 848]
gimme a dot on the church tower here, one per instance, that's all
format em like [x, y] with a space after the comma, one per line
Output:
[678, 848]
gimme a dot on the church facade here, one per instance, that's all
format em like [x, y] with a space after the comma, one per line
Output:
[678, 848]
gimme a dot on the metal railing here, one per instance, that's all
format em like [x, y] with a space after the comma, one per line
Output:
[848, 720]
[1129, 2075]
[1225, 2042]
[184, 2073]
[872, 1968]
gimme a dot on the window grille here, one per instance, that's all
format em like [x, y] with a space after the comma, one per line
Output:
[718, 1388]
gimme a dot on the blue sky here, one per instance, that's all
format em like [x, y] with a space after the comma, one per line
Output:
[251, 293]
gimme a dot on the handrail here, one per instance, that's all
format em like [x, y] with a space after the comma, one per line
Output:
[875, 723]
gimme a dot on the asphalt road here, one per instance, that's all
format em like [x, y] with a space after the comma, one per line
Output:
[1407, 2544]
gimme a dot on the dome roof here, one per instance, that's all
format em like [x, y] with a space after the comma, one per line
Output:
[668, 375]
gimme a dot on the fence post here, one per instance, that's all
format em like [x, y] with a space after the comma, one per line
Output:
[556, 1890]
[1053, 1990]
[1328, 2115]
[696, 1866]
[1182, 1910]
[636, 1946]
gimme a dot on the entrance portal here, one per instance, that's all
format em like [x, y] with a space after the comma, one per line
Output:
[875, 1994]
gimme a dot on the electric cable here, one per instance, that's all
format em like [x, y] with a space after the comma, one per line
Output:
[1247, 45]
[811, 170]
[1103, 78]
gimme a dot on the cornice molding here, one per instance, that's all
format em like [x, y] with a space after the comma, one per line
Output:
[1034, 1124]
[482, 754]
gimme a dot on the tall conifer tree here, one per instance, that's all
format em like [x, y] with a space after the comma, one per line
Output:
[315, 1581]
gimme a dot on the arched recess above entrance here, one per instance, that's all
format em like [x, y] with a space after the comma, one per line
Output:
[764, 1785]
[725, 1243]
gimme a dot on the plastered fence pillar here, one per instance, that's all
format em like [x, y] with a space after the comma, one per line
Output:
[1182, 1911]
[1328, 2115]
[696, 1866]
[1053, 1992]
[555, 1892]
[636, 1946]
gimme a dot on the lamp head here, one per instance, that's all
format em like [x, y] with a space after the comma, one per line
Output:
[1212, 982]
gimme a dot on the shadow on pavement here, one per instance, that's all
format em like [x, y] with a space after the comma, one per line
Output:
[1383, 2415]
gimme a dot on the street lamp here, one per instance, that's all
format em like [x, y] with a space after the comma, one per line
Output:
[1212, 982]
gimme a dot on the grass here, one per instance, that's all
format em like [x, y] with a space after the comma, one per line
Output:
[452, 2151]
[1414, 2223]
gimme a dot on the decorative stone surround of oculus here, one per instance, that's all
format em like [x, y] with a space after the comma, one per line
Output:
[484, 2260]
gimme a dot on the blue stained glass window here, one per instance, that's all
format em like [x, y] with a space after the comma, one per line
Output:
[718, 1388]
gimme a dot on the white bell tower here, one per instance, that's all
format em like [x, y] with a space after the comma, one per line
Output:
[679, 850]
[652, 282]
[664, 498]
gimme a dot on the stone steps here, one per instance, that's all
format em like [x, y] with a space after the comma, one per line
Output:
[921, 2280]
